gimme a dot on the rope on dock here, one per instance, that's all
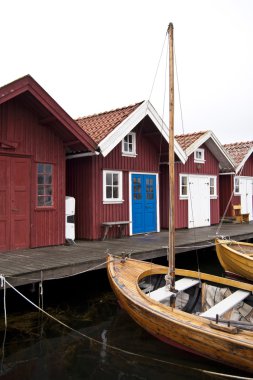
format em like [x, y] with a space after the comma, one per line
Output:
[105, 345]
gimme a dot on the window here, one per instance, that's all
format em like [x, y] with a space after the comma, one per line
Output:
[44, 185]
[236, 185]
[213, 187]
[112, 186]
[183, 186]
[150, 188]
[129, 145]
[137, 195]
[199, 156]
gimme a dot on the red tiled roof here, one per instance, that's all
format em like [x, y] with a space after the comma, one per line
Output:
[100, 125]
[188, 139]
[238, 150]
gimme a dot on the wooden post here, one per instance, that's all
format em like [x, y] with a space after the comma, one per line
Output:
[171, 244]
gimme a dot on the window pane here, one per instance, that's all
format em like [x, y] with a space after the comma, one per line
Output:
[115, 179]
[48, 190]
[184, 181]
[48, 201]
[108, 179]
[40, 168]
[137, 188]
[48, 168]
[108, 192]
[115, 192]
[40, 190]
[44, 184]
[125, 146]
[237, 187]
[40, 179]
[48, 179]
[211, 181]
[184, 185]
[184, 190]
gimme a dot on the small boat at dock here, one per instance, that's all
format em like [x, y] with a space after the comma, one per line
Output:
[236, 258]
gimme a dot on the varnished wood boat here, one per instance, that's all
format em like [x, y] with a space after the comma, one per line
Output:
[182, 312]
[235, 257]
[217, 341]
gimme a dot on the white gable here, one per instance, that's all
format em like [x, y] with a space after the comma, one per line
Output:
[215, 147]
[127, 125]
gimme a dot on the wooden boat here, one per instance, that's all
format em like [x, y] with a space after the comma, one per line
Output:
[191, 310]
[235, 257]
[195, 333]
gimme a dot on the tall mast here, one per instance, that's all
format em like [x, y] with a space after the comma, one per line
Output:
[171, 242]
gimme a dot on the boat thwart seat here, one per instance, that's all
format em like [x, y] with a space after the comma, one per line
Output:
[164, 293]
[226, 304]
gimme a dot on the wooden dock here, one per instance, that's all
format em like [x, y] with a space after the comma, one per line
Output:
[33, 265]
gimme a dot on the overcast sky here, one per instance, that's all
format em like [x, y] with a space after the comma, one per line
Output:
[94, 56]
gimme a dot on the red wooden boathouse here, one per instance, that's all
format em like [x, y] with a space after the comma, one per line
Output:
[35, 133]
[120, 182]
[197, 181]
[237, 187]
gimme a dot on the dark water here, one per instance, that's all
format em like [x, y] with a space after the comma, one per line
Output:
[107, 344]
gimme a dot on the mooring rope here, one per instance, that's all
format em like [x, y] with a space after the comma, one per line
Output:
[104, 343]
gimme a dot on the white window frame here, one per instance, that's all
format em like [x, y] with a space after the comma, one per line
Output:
[120, 184]
[202, 154]
[183, 196]
[237, 185]
[213, 196]
[126, 152]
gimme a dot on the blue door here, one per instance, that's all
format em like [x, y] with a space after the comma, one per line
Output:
[143, 203]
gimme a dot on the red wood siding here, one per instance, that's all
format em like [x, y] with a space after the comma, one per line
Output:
[227, 199]
[226, 188]
[39, 143]
[210, 167]
[247, 170]
[88, 188]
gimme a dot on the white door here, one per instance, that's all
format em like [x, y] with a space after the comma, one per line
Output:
[198, 201]
[246, 186]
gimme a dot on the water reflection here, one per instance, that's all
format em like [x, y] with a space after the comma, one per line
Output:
[37, 347]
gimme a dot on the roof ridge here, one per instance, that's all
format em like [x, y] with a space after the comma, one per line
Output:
[191, 133]
[110, 111]
[238, 143]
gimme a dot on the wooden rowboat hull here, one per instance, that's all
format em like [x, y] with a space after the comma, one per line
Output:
[236, 257]
[175, 327]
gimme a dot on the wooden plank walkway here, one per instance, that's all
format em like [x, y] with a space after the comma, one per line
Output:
[31, 265]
